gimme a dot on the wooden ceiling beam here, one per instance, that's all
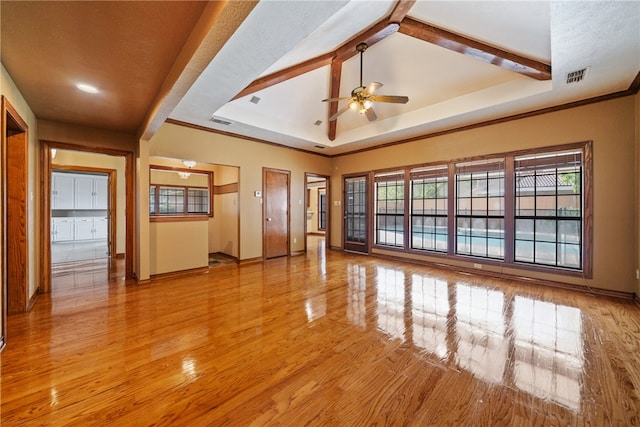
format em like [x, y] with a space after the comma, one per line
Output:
[475, 49]
[372, 35]
[336, 74]
[401, 10]
[286, 74]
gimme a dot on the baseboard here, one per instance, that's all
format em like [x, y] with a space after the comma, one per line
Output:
[296, 253]
[119, 256]
[140, 282]
[33, 299]
[226, 255]
[313, 233]
[181, 273]
[251, 260]
[636, 298]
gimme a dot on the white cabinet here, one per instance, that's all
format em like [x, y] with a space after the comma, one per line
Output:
[62, 191]
[62, 229]
[100, 228]
[83, 228]
[77, 191]
[80, 228]
[100, 192]
[83, 196]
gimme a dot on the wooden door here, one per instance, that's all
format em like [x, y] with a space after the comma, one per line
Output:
[356, 214]
[275, 231]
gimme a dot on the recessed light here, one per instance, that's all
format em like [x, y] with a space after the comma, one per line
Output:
[87, 88]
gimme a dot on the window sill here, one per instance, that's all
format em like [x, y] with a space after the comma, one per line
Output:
[181, 218]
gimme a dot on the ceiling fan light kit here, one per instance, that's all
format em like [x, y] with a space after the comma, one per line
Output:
[362, 98]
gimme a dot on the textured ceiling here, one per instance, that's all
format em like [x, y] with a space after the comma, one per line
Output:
[187, 61]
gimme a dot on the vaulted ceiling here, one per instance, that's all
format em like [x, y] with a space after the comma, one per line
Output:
[261, 69]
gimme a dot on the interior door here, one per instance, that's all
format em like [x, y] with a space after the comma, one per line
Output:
[275, 231]
[356, 217]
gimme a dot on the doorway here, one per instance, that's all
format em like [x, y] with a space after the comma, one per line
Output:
[275, 224]
[87, 215]
[316, 209]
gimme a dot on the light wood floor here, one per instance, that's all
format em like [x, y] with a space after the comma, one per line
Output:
[336, 339]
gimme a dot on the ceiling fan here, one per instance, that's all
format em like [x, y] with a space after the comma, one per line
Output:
[362, 98]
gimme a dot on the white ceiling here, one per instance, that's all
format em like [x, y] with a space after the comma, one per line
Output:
[187, 61]
[446, 89]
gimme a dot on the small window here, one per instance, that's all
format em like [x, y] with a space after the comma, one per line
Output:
[181, 193]
[549, 209]
[389, 226]
[429, 208]
[480, 208]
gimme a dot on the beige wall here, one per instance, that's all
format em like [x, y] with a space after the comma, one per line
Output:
[224, 232]
[11, 92]
[250, 157]
[79, 158]
[177, 246]
[611, 125]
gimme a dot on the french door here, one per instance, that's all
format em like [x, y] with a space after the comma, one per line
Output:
[356, 214]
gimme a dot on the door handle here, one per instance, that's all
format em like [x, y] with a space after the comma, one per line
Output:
[268, 219]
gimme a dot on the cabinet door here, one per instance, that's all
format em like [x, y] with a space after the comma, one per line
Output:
[100, 192]
[84, 192]
[62, 191]
[83, 228]
[100, 228]
[62, 229]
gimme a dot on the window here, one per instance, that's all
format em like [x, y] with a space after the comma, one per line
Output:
[429, 208]
[389, 209]
[179, 193]
[480, 208]
[548, 209]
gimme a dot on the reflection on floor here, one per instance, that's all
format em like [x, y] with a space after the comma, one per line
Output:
[78, 250]
[324, 338]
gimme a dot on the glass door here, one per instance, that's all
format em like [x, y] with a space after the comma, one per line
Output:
[356, 218]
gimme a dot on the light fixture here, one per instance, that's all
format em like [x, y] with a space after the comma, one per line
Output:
[87, 88]
[184, 175]
[53, 153]
[189, 163]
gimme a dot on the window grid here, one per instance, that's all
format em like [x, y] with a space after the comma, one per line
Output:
[389, 214]
[174, 200]
[198, 201]
[429, 211]
[170, 200]
[548, 219]
[480, 209]
[322, 211]
[355, 211]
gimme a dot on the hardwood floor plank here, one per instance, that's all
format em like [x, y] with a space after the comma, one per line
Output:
[320, 339]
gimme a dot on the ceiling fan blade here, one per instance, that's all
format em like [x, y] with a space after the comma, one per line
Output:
[390, 98]
[336, 99]
[340, 111]
[372, 87]
[371, 115]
